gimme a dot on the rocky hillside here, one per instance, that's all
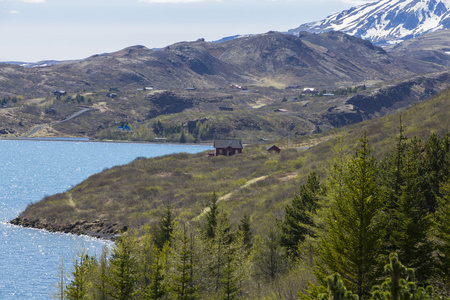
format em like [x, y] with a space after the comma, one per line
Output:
[276, 59]
[432, 47]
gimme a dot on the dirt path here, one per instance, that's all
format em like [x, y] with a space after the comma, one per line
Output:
[37, 128]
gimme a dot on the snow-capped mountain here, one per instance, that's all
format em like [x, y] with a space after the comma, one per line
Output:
[386, 21]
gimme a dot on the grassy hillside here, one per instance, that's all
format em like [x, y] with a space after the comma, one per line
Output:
[256, 183]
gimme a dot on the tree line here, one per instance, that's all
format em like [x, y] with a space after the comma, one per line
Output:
[334, 240]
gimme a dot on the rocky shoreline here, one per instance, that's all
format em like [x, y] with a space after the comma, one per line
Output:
[98, 229]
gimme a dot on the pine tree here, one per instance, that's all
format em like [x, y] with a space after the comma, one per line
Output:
[79, 286]
[246, 231]
[298, 218]
[211, 218]
[268, 256]
[182, 283]
[351, 244]
[337, 290]
[101, 271]
[230, 278]
[163, 231]
[411, 223]
[442, 232]
[122, 277]
[157, 289]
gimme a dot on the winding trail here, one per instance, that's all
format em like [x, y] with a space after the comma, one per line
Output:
[35, 129]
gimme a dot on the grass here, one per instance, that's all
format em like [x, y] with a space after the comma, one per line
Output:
[255, 183]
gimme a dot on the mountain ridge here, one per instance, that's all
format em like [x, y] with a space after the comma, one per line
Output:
[387, 21]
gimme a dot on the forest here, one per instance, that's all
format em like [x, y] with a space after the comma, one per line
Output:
[368, 229]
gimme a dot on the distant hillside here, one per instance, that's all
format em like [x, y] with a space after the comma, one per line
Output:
[276, 59]
[431, 47]
[254, 183]
[386, 21]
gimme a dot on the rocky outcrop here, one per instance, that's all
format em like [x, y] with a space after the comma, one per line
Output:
[387, 99]
[99, 229]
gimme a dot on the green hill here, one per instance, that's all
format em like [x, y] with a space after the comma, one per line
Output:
[255, 183]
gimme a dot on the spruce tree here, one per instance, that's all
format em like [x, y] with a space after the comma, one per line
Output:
[411, 223]
[122, 277]
[354, 233]
[162, 234]
[79, 286]
[182, 284]
[211, 218]
[246, 231]
[230, 278]
[157, 289]
[100, 272]
[298, 218]
[442, 232]
[268, 258]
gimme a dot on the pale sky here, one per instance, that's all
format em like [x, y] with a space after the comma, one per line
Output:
[35, 30]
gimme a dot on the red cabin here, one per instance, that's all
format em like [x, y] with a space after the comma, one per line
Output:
[227, 147]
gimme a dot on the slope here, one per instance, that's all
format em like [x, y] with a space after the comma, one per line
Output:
[386, 21]
[260, 183]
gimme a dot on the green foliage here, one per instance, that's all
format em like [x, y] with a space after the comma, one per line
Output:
[79, 286]
[442, 233]
[164, 229]
[337, 290]
[183, 285]
[122, 277]
[268, 257]
[354, 232]
[246, 231]
[401, 285]
[298, 218]
[157, 289]
[230, 279]
[211, 218]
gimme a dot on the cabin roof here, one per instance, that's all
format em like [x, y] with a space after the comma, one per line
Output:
[235, 144]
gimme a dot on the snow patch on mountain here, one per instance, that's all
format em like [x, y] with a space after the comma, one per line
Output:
[386, 21]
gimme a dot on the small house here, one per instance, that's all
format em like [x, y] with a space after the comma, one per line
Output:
[310, 91]
[273, 149]
[227, 147]
[59, 93]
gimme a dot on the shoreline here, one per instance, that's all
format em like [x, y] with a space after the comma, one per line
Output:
[88, 140]
[96, 229]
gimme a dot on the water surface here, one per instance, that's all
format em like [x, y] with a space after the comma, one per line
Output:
[30, 170]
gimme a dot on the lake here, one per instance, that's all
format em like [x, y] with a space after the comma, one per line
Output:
[30, 170]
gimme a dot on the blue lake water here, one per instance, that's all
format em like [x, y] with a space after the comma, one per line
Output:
[30, 170]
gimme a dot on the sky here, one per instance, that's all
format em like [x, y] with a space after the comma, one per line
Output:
[36, 30]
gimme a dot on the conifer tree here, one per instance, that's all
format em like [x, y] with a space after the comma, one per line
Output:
[246, 231]
[268, 256]
[211, 218]
[122, 277]
[411, 223]
[442, 232]
[230, 278]
[182, 284]
[351, 244]
[337, 290]
[79, 286]
[146, 253]
[298, 218]
[163, 232]
[157, 289]
[100, 272]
